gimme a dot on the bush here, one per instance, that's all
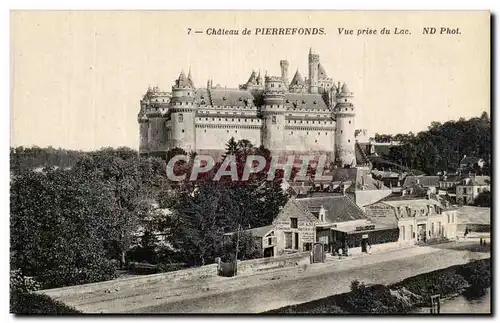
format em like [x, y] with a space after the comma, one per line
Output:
[20, 283]
[477, 274]
[372, 299]
[30, 303]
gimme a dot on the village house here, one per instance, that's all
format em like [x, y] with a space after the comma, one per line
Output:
[470, 187]
[419, 221]
[429, 183]
[471, 161]
[336, 222]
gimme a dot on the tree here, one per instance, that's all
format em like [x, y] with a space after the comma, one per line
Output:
[120, 172]
[60, 222]
[483, 199]
[443, 145]
[249, 246]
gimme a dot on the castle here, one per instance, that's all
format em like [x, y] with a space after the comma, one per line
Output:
[310, 115]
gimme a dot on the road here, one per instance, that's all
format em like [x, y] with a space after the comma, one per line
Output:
[259, 293]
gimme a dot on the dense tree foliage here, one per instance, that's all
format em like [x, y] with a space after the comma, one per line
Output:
[23, 158]
[59, 224]
[483, 199]
[442, 146]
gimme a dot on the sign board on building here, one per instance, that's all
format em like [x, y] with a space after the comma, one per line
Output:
[366, 227]
[379, 210]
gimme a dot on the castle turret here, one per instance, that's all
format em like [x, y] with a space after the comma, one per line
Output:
[182, 114]
[284, 72]
[143, 129]
[273, 114]
[151, 118]
[345, 132]
[313, 71]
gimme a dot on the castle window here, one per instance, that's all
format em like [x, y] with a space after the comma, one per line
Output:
[307, 133]
[319, 133]
[224, 98]
[202, 96]
[181, 117]
[349, 121]
[279, 85]
[205, 130]
[227, 131]
[236, 131]
[219, 119]
[341, 131]
[303, 102]
[326, 133]
[213, 119]
[348, 140]
[291, 132]
[287, 101]
[314, 102]
[182, 130]
[272, 84]
[232, 119]
[273, 119]
[345, 100]
[316, 141]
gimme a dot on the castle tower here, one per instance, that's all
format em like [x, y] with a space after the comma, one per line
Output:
[345, 131]
[182, 114]
[143, 130]
[284, 72]
[273, 114]
[313, 71]
[151, 119]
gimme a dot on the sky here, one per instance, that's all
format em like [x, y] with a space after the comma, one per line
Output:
[77, 76]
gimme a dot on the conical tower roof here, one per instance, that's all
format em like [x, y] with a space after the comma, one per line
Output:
[252, 79]
[297, 80]
[345, 89]
[190, 80]
[322, 72]
[182, 80]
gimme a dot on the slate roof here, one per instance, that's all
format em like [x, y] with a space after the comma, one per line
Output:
[337, 208]
[230, 97]
[305, 100]
[322, 72]
[256, 232]
[425, 181]
[297, 80]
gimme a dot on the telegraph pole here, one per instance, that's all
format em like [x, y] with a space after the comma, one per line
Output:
[236, 253]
